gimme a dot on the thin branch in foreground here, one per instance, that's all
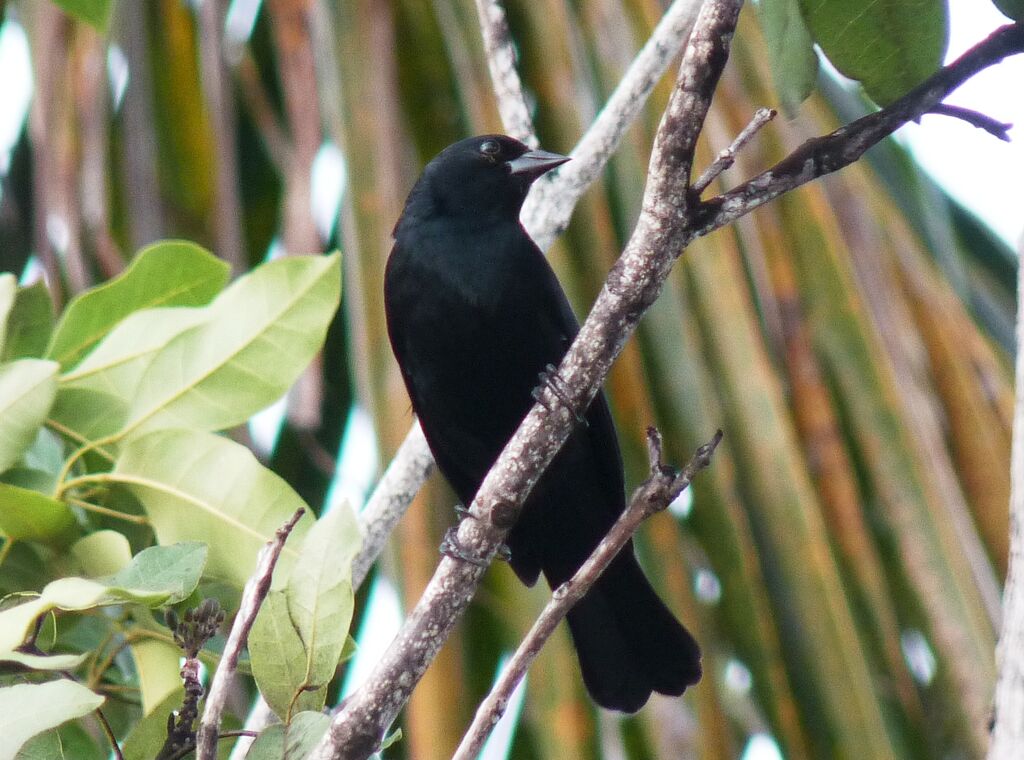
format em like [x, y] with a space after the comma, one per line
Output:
[653, 495]
[727, 157]
[501, 61]
[255, 592]
[975, 119]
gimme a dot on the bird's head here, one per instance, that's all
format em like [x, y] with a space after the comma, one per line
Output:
[480, 177]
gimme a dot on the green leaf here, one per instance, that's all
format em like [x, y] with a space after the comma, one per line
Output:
[262, 332]
[27, 390]
[158, 575]
[29, 323]
[791, 53]
[83, 414]
[69, 742]
[292, 742]
[169, 273]
[8, 291]
[158, 666]
[319, 591]
[890, 46]
[119, 361]
[45, 662]
[1013, 9]
[102, 553]
[173, 569]
[148, 735]
[96, 13]
[278, 659]
[30, 709]
[201, 487]
[28, 515]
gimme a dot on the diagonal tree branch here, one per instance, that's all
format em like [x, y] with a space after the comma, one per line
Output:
[357, 728]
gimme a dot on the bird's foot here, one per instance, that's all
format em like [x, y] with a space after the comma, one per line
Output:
[462, 512]
[450, 548]
[550, 378]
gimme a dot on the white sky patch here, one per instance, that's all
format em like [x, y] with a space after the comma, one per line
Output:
[707, 587]
[16, 74]
[358, 460]
[265, 426]
[240, 20]
[328, 184]
[681, 506]
[978, 170]
[738, 677]
[117, 74]
[761, 747]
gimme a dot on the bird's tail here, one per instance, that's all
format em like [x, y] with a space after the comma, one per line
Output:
[628, 642]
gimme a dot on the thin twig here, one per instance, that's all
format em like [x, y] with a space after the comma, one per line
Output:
[975, 119]
[824, 155]
[110, 734]
[252, 598]
[727, 157]
[653, 495]
[501, 61]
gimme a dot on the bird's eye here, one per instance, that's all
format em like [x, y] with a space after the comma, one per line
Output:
[490, 148]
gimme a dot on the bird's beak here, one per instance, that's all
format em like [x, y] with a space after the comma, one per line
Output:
[534, 163]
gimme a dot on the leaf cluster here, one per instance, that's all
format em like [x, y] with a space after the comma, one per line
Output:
[119, 492]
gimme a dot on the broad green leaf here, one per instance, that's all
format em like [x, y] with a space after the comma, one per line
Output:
[117, 364]
[791, 53]
[1013, 9]
[292, 742]
[157, 575]
[30, 709]
[278, 659]
[102, 553]
[262, 332]
[84, 414]
[175, 569]
[69, 742]
[27, 390]
[169, 273]
[889, 46]
[201, 487]
[28, 515]
[96, 13]
[8, 292]
[158, 666]
[319, 591]
[29, 323]
[45, 662]
[148, 735]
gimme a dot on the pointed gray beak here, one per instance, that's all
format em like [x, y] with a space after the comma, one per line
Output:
[534, 163]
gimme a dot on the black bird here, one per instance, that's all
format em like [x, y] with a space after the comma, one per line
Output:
[474, 314]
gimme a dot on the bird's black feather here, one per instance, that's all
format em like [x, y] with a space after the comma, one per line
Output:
[474, 314]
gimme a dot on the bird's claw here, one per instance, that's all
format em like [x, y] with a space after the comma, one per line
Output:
[462, 512]
[504, 553]
[550, 378]
[450, 548]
